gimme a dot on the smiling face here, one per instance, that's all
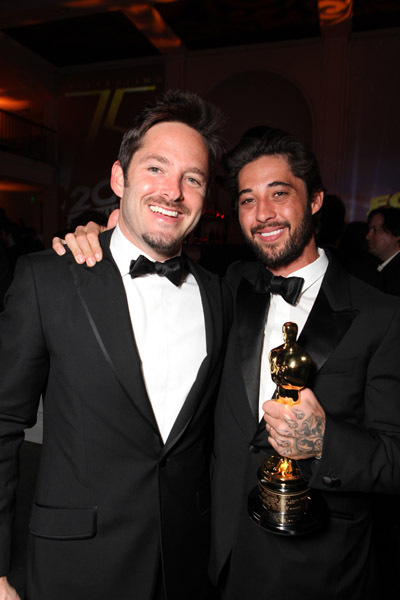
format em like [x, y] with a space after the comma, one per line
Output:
[164, 197]
[276, 216]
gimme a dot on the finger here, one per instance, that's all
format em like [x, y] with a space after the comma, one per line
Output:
[270, 422]
[84, 243]
[113, 219]
[58, 245]
[275, 445]
[91, 239]
[278, 430]
[274, 409]
[268, 427]
[283, 444]
[75, 247]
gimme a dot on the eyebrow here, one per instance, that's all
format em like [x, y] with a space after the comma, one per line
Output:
[157, 157]
[269, 185]
[164, 160]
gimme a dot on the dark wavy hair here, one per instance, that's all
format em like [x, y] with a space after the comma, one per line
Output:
[266, 141]
[182, 107]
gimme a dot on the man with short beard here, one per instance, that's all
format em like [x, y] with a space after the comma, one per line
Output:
[128, 357]
[344, 433]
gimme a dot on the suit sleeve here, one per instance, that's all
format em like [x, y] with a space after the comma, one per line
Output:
[23, 374]
[363, 454]
[5, 275]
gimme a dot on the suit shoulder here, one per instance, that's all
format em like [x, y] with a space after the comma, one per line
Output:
[46, 266]
[202, 271]
[37, 259]
[371, 293]
[241, 269]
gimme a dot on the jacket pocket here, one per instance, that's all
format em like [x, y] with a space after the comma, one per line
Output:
[339, 365]
[59, 523]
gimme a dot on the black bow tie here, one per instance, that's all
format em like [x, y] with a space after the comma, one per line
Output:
[173, 268]
[287, 287]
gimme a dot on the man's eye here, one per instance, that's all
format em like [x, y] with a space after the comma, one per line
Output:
[154, 169]
[244, 201]
[279, 193]
[194, 181]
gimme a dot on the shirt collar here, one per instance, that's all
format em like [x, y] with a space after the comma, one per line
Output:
[123, 251]
[383, 265]
[314, 271]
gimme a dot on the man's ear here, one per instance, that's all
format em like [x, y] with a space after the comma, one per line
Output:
[117, 179]
[317, 202]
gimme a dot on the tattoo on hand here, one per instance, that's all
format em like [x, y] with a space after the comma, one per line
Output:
[308, 433]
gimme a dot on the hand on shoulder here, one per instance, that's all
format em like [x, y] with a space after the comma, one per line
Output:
[84, 241]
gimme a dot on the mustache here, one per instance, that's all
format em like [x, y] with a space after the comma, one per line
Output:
[163, 203]
[260, 227]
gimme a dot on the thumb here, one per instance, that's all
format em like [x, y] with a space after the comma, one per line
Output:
[113, 219]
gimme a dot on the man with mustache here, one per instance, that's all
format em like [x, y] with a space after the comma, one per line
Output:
[344, 434]
[128, 356]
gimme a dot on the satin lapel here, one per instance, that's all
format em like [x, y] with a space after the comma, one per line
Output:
[104, 300]
[251, 310]
[330, 317]
[209, 290]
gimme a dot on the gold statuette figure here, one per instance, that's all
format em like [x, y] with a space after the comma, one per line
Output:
[282, 501]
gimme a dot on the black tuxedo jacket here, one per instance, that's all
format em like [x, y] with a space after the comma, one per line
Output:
[391, 276]
[352, 335]
[112, 500]
[5, 274]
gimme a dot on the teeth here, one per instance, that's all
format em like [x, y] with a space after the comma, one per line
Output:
[271, 233]
[164, 211]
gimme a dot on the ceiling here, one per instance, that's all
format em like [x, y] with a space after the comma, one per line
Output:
[70, 33]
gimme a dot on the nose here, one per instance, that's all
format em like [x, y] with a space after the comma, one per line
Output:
[172, 189]
[265, 210]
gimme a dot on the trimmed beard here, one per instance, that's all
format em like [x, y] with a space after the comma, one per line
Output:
[293, 248]
[161, 244]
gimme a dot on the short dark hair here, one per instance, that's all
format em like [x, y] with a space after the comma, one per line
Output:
[182, 107]
[391, 218]
[266, 141]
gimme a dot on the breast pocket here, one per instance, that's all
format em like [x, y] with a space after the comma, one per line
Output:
[339, 365]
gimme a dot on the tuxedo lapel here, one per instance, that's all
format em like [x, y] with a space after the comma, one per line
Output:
[330, 317]
[104, 300]
[328, 321]
[251, 311]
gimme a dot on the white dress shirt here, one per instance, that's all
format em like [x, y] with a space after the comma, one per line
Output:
[168, 323]
[387, 261]
[280, 312]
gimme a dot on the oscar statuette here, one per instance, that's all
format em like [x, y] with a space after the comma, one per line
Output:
[282, 503]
